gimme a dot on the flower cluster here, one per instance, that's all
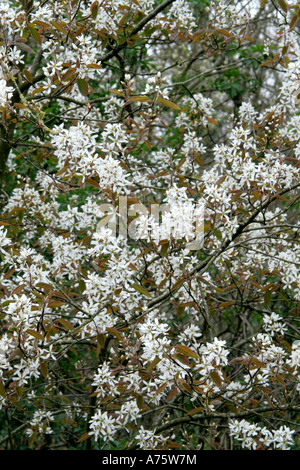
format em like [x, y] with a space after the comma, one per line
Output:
[253, 436]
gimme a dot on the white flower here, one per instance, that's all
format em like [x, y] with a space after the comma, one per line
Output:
[102, 426]
[147, 439]
[190, 334]
[250, 434]
[104, 382]
[4, 240]
[6, 93]
[129, 411]
[273, 324]
[41, 422]
[180, 10]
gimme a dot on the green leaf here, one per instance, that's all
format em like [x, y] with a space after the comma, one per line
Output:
[60, 25]
[139, 98]
[164, 248]
[35, 34]
[83, 86]
[153, 364]
[141, 289]
[94, 9]
[140, 401]
[218, 235]
[118, 93]
[28, 75]
[267, 298]
[168, 103]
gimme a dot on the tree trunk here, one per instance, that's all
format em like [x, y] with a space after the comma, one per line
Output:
[5, 147]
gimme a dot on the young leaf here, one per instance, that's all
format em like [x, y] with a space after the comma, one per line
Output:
[168, 103]
[2, 390]
[35, 34]
[84, 437]
[283, 5]
[216, 378]
[153, 364]
[116, 333]
[83, 86]
[35, 334]
[141, 289]
[94, 9]
[185, 350]
[65, 323]
[139, 98]
[225, 33]
[44, 369]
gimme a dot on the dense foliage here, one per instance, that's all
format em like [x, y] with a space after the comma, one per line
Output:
[149, 227]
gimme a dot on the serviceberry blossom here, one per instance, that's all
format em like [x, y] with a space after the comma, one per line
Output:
[129, 412]
[104, 381]
[41, 423]
[252, 436]
[4, 239]
[273, 324]
[6, 93]
[102, 426]
[76, 150]
[155, 344]
[181, 12]
[190, 335]
[147, 439]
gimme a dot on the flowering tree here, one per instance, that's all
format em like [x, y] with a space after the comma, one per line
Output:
[149, 167]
